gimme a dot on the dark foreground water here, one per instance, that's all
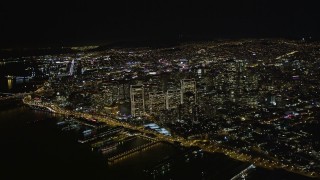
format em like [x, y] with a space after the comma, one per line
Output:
[32, 147]
[16, 85]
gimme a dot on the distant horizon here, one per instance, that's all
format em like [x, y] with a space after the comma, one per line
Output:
[125, 43]
[139, 40]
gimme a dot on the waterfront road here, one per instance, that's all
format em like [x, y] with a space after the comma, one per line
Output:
[206, 145]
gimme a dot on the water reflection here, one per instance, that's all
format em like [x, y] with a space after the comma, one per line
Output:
[9, 84]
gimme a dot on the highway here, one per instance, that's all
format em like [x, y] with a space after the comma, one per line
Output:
[287, 54]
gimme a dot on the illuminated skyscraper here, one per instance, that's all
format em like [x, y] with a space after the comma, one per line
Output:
[273, 100]
[173, 99]
[188, 86]
[157, 102]
[188, 93]
[187, 110]
[71, 70]
[137, 100]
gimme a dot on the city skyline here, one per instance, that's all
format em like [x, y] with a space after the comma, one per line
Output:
[160, 90]
[253, 100]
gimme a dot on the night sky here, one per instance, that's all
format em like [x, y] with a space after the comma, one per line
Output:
[43, 23]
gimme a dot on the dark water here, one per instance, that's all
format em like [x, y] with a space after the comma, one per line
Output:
[13, 85]
[32, 147]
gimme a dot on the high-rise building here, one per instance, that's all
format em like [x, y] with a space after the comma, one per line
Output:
[71, 70]
[187, 110]
[173, 99]
[273, 100]
[188, 86]
[137, 100]
[157, 102]
[241, 65]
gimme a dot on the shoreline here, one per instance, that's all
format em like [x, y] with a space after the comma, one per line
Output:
[212, 148]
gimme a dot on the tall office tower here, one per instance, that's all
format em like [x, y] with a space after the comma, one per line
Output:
[241, 76]
[71, 70]
[149, 88]
[113, 88]
[125, 91]
[137, 100]
[187, 110]
[273, 100]
[188, 86]
[173, 99]
[241, 65]
[157, 102]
